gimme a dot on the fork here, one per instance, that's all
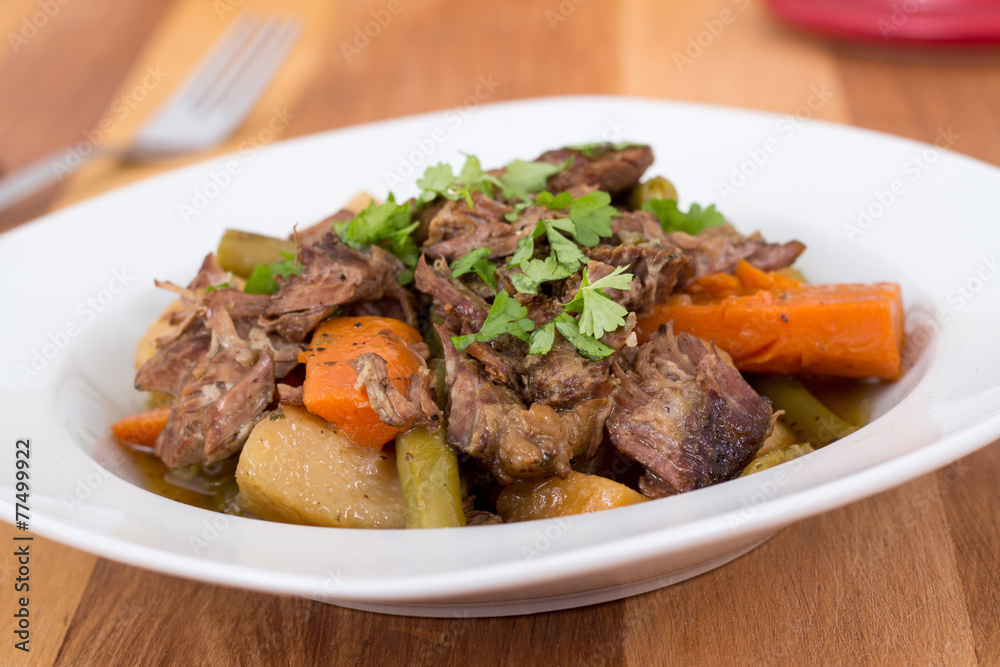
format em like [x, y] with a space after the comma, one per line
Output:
[205, 109]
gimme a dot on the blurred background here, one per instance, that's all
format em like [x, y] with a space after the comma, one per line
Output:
[88, 72]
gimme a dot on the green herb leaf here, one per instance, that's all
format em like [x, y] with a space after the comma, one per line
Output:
[554, 202]
[476, 261]
[588, 346]
[506, 316]
[672, 219]
[522, 178]
[440, 180]
[526, 246]
[537, 271]
[212, 288]
[598, 313]
[567, 252]
[262, 280]
[591, 150]
[592, 215]
[389, 225]
[542, 339]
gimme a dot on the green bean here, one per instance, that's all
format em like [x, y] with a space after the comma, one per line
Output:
[428, 470]
[240, 252]
[776, 457]
[808, 418]
[655, 188]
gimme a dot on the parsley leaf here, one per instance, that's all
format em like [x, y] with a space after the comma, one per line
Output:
[554, 202]
[542, 338]
[212, 288]
[598, 313]
[389, 225]
[591, 150]
[440, 180]
[526, 246]
[522, 178]
[588, 346]
[538, 271]
[506, 315]
[567, 252]
[262, 280]
[672, 219]
[476, 261]
[592, 215]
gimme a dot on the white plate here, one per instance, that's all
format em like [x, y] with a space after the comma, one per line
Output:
[78, 291]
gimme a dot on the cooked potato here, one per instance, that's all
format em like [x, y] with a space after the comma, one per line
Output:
[781, 436]
[296, 468]
[525, 500]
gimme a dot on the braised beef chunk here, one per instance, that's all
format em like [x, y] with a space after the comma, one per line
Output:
[719, 249]
[222, 400]
[415, 408]
[462, 310]
[457, 229]
[638, 227]
[654, 270]
[332, 274]
[683, 413]
[602, 166]
[491, 423]
[315, 233]
[564, 377]
[169, 369]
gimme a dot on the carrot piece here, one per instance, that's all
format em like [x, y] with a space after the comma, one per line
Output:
[142, 428]
[845, 330]
[331, 388]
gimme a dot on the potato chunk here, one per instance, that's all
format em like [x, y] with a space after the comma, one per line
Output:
[526, 499]
[296, 468]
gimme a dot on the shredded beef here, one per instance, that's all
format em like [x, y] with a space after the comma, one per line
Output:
[457, 229]
[719, 249]
[610, 170]
[491, 423]
[654, 270]
[461, 309]
[415, 408]
[333, 274]
[683, 413]
[223, 399]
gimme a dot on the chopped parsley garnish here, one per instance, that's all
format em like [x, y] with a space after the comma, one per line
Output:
[591, 215]
[586, 345]
[262, 280]
[506, 316]
[598, 313]
[476, 261]
[212, 288]
[537, 271]
[389, 225]
[554, 202]
[590, 150]
[520, 178]
[440, 180]
[672, 219]
[519, 181]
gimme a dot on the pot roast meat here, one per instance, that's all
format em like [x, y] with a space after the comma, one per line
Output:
[491, 423]
[682, 412]
[719, 249]
[457, 229]
[654, 270]
[169, 369]
[223, 399]
[610, 170]
[415, 408]
[461, 309]
[332, 274]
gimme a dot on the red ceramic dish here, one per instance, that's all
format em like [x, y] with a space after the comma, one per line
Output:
[915, 21]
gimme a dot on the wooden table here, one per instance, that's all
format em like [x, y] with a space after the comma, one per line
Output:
[907, 577]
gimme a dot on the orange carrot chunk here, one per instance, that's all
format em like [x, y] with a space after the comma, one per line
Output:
[142, 428]
[331, 388]
[772, 324]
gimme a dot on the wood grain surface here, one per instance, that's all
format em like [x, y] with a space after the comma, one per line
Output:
[911, 576]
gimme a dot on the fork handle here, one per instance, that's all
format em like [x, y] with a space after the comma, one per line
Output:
[41, 174]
